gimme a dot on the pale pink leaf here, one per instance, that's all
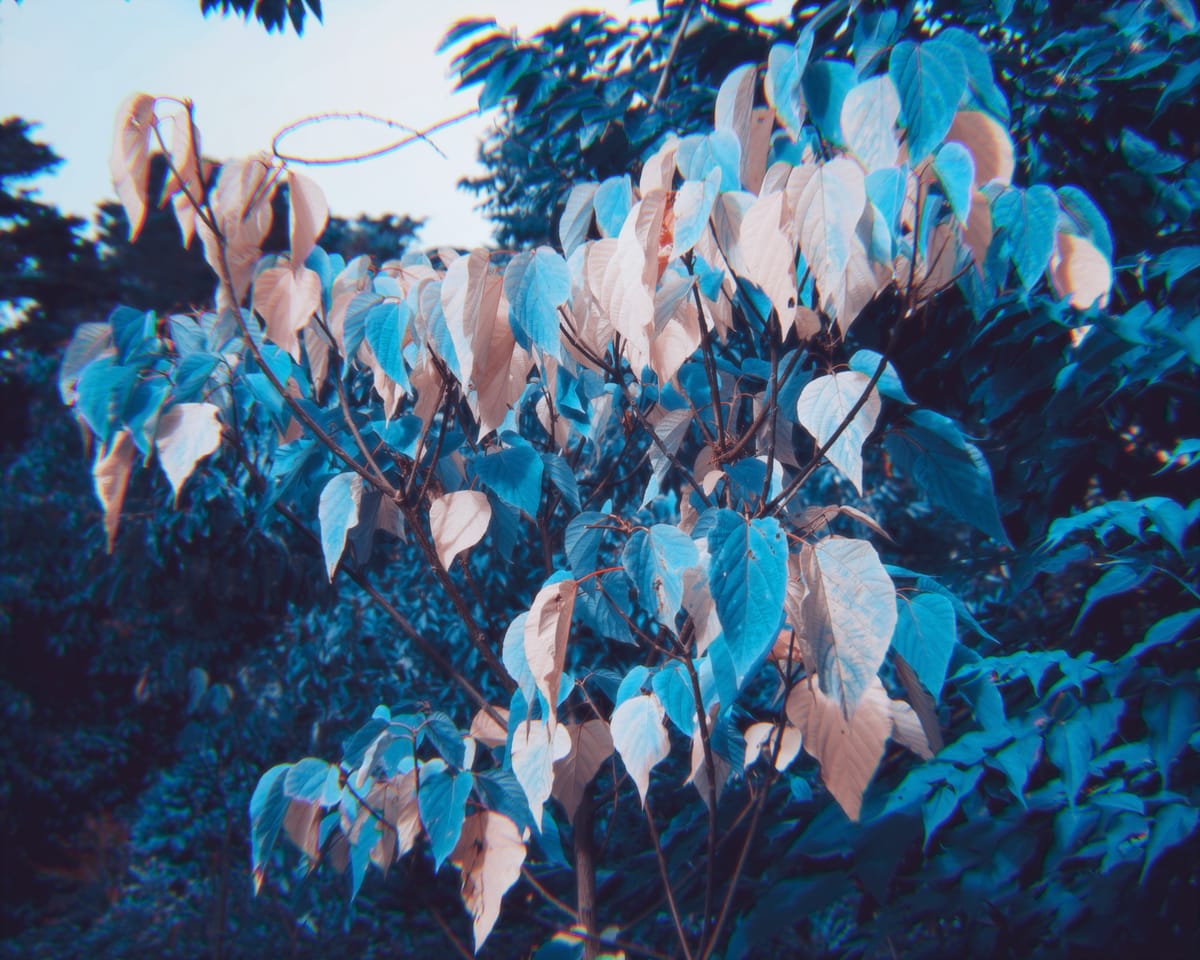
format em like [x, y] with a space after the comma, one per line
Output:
[869, 115]
[768, 256]
[907, 729]
[536, 747]
[458, 521]
[487, 731]
[489, 854]
[286, 297]
[129, 162]
[591, 745]
[547, 630]
[111, 476]
[761, 739]
[825, 403]
[1079, 271]
[187, 433]
[309, 213]
[989, 144]
[848, 750]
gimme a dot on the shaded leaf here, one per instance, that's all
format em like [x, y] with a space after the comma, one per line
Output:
[925, 637]
[536, 747]
[869, 115]
[931, 79]
[308, 214]
[129, 162]
[110, 475]
[591, 745]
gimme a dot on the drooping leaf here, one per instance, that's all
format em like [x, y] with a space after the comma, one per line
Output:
[931, 79]
[951, 471]
[536, 285]
[990, 146]
[925, 637]
[1029, 217]
[547, 631]
[1080, 216]
[576, 217]
[129, 162]
[1080, 272]
[187, 433]
[850, 616]
[612, 203]
[442, 801]
[656, 561]
[514, 474]
[830, 199]
[847, 750]
[639, 734]
[766, 738]
[308, 214]
[489, 854]
[869, 115]
[591, 745]
[536, 747]
[267, 808]
[955, 168]
[785, 67]
[338, 513]
[748, 581]
[458, 521]
[110, 475]
[825, 404]
[825, 84]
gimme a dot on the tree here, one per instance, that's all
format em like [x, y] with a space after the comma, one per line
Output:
[639, 474]
[270, 13]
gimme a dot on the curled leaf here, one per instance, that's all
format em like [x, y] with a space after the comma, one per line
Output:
[489, 854]
[129, 161]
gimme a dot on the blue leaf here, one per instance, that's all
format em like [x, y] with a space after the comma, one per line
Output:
[384, 326]
[104, 388]
[980, 77]
[1167, 630]
[360, 853]
[192, 374]
[1173, 823]
[338, 512]
[612, 203]
[931, 79]
[700, 156]
[1118, 579]
[955, 168]
[513, 657]
[925, 637]
[693, 206]
[885, 189]
[563, 477]
[131, 329]
[582, 542]
[826, 83]
[785, 67]
[748, 580]
[514, 474]
[953, 474]
[656, 562]
[1029, 218]
[536, 285]
[306, 780]
[1069, 746]
[632, 684]
[267, 808]
[354, 325]
[867, 362]
[1172, 715]
[442, 801]
[1084, 218]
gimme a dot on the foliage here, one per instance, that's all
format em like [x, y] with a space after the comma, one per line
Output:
[625, 484]
[270, 13]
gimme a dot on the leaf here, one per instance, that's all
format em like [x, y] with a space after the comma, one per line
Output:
[458, 521]
[748, 580]
[988, 143]
[547, 630]
[826, 84]
[267, 808]
[1079, 271]
[337, 512]
[487, 731]
[591, 745]
[825, 403]
[693, 206]
[442, 801]
[576, 217]
[489, 855]
[888, 385]
[767, 257]
[656, 561]
[612, 203]
[761, 739]
[830, 200]
[849, 638]
[536, 285]
[785, 67]
[1080, 216]
[848, 750]
[90, 341]
[110, 474]
[950, 471]
[308, 214]
[1029, 217]
[869, 115]
[187, 433]
[955, 168]
[931, 79]
[129, 162]
[514, 474]
[639, 734]
[1173, 823]
[925, 637]
[536, 746]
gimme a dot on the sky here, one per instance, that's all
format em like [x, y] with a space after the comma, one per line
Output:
[68, 64]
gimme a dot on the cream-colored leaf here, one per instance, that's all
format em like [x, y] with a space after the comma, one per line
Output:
[129, 162]
[658, 173]
[989, 144]
[848, 750]
[487, 731]
[977, 234]
[768, 256]
[241, 200]
[591, 745]
[187, 433]
[758, 148]
[734, 108]
[111, 476]
[761, 738]
[400, 810]
[1079, 271]
[825, 403]
[547, 630]
[698, 776]
[458, 521]
[640, 737]
[302, 823]
[907, 730]
[309, 213]
[489, 854]
[183, 186]
[869, 115]
[536, 747]
[829, 201]
[286, 298]
[470, 298]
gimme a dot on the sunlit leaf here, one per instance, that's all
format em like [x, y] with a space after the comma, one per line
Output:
[1080, 272]
[442, 802]
[989, 144]
[656, 561]
[536, 747]
[785, 67]
[287, 298]
[489, 855]
[823, 407]
[547, 631]
[639, 734]
[129, 162]
[869, 115]
[187, 433]
[338, 513]
[931, 79]
[458, 521]
[308, 215]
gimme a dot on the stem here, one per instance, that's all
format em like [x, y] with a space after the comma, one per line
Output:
[666, 879]
[585, 872]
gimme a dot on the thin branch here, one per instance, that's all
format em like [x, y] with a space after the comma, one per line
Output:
[666, 879]
[676, 40]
